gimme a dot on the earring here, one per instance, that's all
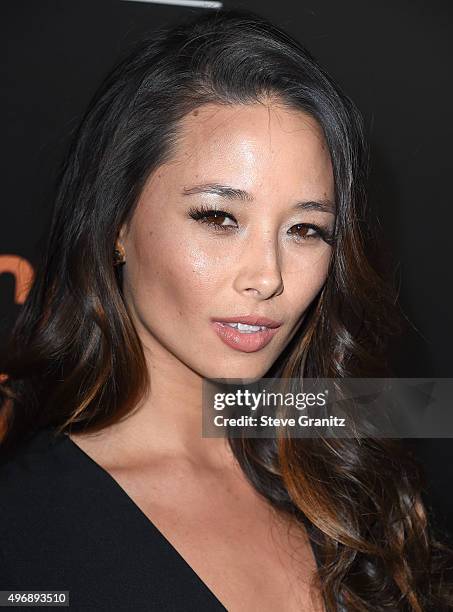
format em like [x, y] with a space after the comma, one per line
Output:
[119, 255]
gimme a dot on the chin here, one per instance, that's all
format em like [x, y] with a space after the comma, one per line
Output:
[246, 374]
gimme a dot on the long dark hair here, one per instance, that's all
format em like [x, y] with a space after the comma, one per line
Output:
[75, 361]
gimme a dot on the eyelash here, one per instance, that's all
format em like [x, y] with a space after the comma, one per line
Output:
[200, 214]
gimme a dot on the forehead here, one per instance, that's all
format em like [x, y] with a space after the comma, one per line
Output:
[249, 140]
[215, 126]
[272, 152]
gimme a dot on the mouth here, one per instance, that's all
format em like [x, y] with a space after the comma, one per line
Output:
[243, 335]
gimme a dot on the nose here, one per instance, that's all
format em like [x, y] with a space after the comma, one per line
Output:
[259, 273]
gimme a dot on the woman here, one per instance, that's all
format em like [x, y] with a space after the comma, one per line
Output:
[217, 177]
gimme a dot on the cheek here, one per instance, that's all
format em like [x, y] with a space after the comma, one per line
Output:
[306, 277]
[170, 275]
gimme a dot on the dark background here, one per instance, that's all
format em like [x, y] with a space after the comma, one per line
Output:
[392, 58]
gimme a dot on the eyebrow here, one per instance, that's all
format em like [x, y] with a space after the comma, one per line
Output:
[231, 193]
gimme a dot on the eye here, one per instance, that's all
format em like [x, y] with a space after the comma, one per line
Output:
[311, 231]
[214, 218]
[218, 220]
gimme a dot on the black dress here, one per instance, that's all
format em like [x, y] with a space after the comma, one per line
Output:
[67, 525]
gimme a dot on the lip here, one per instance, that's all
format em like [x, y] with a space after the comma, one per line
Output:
[250, 320]
[246, 342]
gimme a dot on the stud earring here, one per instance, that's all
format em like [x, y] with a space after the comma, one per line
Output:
[119, 255]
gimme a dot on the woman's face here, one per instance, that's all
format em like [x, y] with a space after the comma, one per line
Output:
[187, 269]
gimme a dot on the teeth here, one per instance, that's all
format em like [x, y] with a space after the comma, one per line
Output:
[247, 328]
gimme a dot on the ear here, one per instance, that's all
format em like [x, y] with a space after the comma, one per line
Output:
[119, 254]
[122, 235]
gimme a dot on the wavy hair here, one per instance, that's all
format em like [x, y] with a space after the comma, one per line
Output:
[74, 360]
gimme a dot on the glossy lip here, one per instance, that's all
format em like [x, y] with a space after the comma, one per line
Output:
[249, 320]
[246, 342]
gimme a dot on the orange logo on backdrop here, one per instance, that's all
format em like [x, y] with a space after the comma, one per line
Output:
[23, 273]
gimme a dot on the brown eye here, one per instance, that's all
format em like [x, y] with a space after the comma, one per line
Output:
[306, 231]
[214, 218]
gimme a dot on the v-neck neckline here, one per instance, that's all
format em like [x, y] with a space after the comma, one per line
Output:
[148, 523]
[113, 483]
